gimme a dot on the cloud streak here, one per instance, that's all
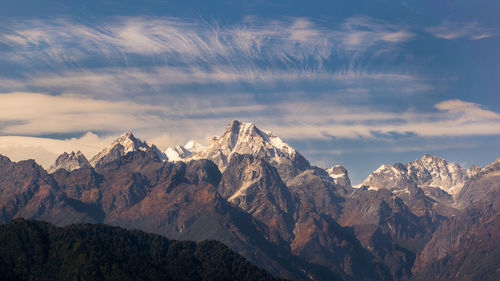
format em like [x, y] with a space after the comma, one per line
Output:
[46, 150]
[452, 118]
[253, 38]
[43, 114]
[249, 51]
[453, 30]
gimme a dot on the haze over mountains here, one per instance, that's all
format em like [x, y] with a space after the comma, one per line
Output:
[262, 198]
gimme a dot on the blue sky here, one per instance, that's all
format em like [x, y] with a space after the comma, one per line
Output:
[358, 84]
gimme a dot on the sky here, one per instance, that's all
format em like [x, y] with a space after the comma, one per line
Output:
[355, 83]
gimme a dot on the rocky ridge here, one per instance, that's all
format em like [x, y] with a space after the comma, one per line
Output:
[123, 145]
[70, 162]
[428, 171]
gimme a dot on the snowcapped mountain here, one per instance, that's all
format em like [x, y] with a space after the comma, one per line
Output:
[429, 171]
[246, 138]
[69, 162]
[177, 153]
[121, 146]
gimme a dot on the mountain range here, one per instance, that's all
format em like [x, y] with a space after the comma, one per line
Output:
[262, 198]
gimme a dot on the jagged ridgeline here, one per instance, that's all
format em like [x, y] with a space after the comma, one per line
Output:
[32, 250]
[259, 196]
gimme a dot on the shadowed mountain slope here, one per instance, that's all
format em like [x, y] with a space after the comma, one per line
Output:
[32, 250]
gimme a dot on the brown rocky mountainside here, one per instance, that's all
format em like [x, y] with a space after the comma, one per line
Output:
[467, 247]
[259, 196]
[139, 191]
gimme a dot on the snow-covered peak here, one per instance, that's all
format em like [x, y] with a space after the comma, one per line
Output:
[437, 172]
[123, 145]
[426, 171]
[130, 143]
[245, 138]
[386, 176]
[193, 146]
[69, 162]
[178, 153]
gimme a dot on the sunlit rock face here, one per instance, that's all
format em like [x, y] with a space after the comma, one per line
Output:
[428, 171]
[123, 145]
[69, 162]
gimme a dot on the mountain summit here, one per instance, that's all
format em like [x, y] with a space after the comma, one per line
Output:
[69, 162]
[121, 146]
[245, 138]
[429, 171]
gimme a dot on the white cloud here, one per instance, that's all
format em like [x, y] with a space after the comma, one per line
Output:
[363, 32]
[453, 30]
[184, 117]
[120, 80]
[179, 40]
[397, 36]
[467, 111]
[453, 118]
[23, 113]
[35, 114]
[46, 150]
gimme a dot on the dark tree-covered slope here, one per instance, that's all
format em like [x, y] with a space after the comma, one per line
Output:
[32, 250]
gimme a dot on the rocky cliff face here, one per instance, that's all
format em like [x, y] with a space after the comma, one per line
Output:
[466, 247]
[27, 190]
[428, 171]
[340, 176]
[255, 186]
[387, 228]
[69, 162]
[480, 186]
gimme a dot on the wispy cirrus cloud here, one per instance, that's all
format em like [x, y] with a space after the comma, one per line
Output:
[363, 32]
[257, 49]
[469, 30]
[193, 40]
[123, 82]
